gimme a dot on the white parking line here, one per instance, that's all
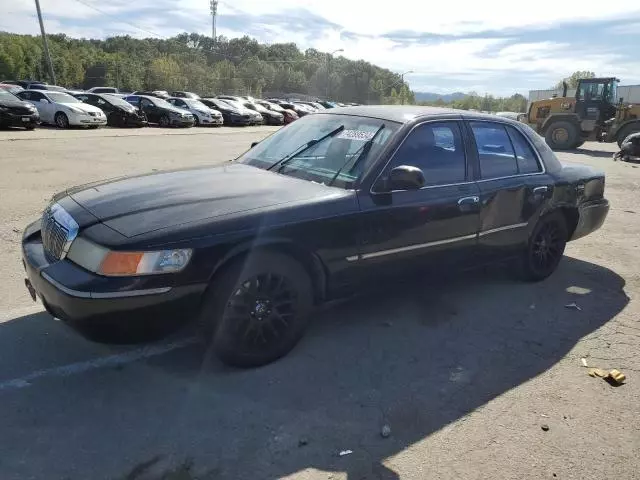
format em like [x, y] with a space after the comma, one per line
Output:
[102, 362]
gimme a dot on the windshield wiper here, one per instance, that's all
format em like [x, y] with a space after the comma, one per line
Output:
[359, 154]
[302, 148]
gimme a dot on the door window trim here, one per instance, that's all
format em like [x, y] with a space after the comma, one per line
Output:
[517, 128]
[393, 154]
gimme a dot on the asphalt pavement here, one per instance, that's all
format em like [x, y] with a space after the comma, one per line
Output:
[463, 370]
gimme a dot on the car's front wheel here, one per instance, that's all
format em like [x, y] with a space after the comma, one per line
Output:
[256, 310]
[545, 248]
[164, 121]
[61, 119]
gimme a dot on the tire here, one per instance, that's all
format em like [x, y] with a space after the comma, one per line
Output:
[196, 121]
[257, 309]
[625, 132]
[61, 119]
[562, 135]
[30, 127]
[545, 247]
[164, 121]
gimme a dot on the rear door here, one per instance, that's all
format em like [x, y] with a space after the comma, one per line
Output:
[433, 226]
[513, 187]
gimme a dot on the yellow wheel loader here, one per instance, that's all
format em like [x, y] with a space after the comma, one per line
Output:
[593, 114]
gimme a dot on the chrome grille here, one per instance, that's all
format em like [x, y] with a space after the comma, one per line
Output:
[59, 229]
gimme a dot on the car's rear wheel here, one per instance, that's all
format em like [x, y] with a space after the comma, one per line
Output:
[562, 135]
[61, 119]
[545, 248]
[164, 121]
[256, 310]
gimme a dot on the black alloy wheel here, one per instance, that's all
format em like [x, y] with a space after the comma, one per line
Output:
[546, 247]
[164, 121]
[196, 120]
[257, 309]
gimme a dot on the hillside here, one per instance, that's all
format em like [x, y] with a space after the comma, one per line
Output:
[432, 97]
[193, 62]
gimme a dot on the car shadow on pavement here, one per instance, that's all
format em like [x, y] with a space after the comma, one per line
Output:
[594, 153]
[414, 356]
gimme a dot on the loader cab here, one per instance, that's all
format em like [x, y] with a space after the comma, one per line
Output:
[596, 99]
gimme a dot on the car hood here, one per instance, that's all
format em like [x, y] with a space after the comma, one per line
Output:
[138, 205]
[85, 107]
[179, 111]
[13, 103]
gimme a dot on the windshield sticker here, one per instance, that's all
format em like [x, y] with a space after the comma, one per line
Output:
[360, 135]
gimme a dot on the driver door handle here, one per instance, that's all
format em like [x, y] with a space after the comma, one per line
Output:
[540, 190]
[469, 200]
[468, 204]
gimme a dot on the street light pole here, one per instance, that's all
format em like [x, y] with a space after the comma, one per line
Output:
[328, 73]
[402, 81]
[45, 44]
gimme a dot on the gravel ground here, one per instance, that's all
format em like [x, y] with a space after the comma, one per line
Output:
[464, 371]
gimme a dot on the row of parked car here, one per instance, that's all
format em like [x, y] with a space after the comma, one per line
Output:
[28, 103]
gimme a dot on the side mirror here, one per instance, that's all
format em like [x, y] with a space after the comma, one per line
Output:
[44, 100]
[405, 177]
[253, 144]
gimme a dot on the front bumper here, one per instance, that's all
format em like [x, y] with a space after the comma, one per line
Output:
[77, 119]
[234, 120]
[182, 122]
[212, 121]
[76, 296]
[19, 120]
[591, 216]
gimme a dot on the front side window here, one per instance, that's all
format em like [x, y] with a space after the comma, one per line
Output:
[495, 152]
[336, 160]
[146, 103]
[437, 149]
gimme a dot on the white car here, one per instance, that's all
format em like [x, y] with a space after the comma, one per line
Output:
[202, 114]
[63, 110]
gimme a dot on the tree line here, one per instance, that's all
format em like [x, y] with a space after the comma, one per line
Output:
[486, 103]
[195, 63]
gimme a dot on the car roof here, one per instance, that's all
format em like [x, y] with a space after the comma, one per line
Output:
[408, 113]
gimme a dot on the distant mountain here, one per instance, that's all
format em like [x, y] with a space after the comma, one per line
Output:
[431, 97]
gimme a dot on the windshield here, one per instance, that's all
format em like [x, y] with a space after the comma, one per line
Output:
[235, 104]
[159, 102]
[321, 162]
[274, 107]
[112, 99]
[195, 104]
[59, 97]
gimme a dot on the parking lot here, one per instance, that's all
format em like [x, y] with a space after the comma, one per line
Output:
[464, 371]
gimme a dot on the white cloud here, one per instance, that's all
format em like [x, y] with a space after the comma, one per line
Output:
[495, 65]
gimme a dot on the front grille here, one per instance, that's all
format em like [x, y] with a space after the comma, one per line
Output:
[21, 111]
[58, 231]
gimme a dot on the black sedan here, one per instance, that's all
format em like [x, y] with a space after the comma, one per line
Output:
[119, 112]
[17, 113]
[317, 210]
[161, 112]
[230, 114]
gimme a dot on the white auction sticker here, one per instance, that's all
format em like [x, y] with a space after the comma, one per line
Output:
[356, 135]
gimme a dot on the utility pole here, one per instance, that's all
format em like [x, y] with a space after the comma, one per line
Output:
[402, 81]
[328, 73]
[213, 5]
[44, 44]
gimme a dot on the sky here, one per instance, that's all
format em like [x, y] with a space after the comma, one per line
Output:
[493, 46]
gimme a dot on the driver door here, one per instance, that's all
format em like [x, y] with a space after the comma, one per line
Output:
[435, 225]
[150, 110]
[45, 108]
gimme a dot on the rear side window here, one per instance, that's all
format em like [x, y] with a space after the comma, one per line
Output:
[495, 152]
[526, 158]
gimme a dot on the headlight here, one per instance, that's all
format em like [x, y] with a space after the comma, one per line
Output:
[103, 261]
[77, 110]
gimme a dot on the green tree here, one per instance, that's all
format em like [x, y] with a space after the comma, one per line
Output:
[574, 78]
